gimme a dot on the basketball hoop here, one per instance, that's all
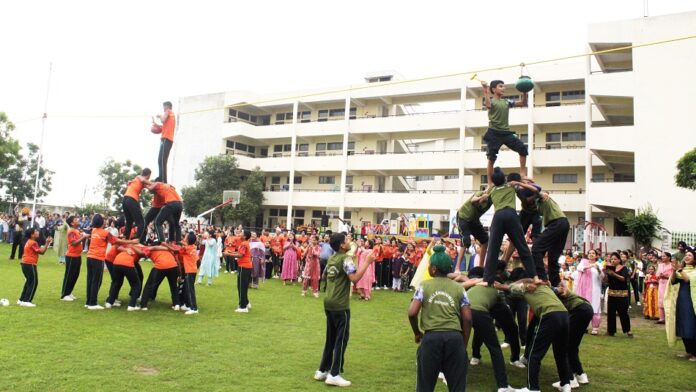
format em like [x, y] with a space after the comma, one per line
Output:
[231, 197]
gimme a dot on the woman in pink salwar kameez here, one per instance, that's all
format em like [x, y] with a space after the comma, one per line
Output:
[589, 286]
[364, 285]
[664, 272]
[289, 273]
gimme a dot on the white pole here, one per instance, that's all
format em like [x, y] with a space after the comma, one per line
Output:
[43, 131]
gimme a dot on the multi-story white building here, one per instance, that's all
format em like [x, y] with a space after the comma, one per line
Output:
[603, 132]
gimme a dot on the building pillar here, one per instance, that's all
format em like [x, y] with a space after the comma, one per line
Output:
[293, 148]
[530, 134]
[462, 139]
[588, 152]
[344, 168]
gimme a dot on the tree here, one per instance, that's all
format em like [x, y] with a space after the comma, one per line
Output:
[9, 147]
[19, 179]
[644, 225]
[114, 177]
[89, 208]
[686, 171]
[220, 173]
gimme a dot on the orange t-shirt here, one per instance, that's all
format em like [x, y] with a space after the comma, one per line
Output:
[379, 253]
[134, 187]
[74, 250]
[231, 243]
[126, 260]
[189, 256]
[31, 252]
[244, 261]
[111, 254]
[168, 126]
[388, 251]
[167, 193]
[97, 244]
[157, 201]
[162, 259]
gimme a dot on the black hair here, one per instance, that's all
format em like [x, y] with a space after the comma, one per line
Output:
[29, 232]
[669, 255]
[167, 104]
[682, 243]
[514, 177]
[517, 274]
[618, 256]
[247, 235]
[370, 244]
[70, 220]
[97, 221]
[476, 272]
[146, 172]
[498, 177]
[693, 253]
[191, 238]
[623, 252]
[336, 241]
[495, 84]
[120, 222]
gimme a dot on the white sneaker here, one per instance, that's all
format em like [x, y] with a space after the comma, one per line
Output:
[73, 297]
[116, 304]
[505, 345]
[378, 288]
[507, 389]
[242, 310]
[524, 361]
[95, 307]
[20, 302]
[185, 308]
[191, 311]
[316, 295]
[565, 388]
[144, 309]
[248, 305]
[518, 364]
[227, 272]
[385, 287]
[28, 305]
[474, 361]
[320, 376]
[638, 303]
[441, 376]
[176, 308]
[67, 298]
[132, 308]
[582, 378]
[107, 305]
[337, 381]
[527, 390]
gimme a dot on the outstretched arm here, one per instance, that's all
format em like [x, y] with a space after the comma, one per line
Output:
[519, 104]
[486, 95]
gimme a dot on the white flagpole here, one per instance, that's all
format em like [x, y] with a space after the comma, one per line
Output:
[43, 131]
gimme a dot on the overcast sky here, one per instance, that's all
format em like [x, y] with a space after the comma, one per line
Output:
[123, 59]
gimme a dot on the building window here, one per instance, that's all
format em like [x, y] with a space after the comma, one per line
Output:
[349, 180]
[278, 148]
[305, 117]
[317, 214]
[573, 136]
[353, 113]
[553, 137]
[273, 212]
[275, 180]
[347, 215]
[280, 118]
[452, 177]
[327, 179]
[623, 177]
[425, 178]
[484, 179]
[553, 99]
[229, 144]
[565, 178]
[334, 146]
[351, 145]
[337, 112]
[323, 115]
[298, 213]
[597, 177]
[297, 180]
[574, 95]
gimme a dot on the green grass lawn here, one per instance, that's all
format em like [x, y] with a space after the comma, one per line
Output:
[60, 346]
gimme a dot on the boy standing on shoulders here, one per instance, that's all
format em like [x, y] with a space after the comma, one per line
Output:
[499, 133]
[340, 272]
[446, 320]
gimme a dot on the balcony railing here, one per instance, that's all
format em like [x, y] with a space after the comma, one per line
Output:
[622, 179]
[350, 189]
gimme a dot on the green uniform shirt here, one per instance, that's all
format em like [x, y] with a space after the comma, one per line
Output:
[338, 267]
[470, 211]
[498, 114]
[482, 298]
[542, 300]
[550, 210]
[442, 301]
[679, 256]
[572, 301]
[503, 197]
[528, 206]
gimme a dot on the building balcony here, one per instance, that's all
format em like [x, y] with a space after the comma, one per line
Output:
[566, 156]
[620, 138]
[570, 201]
[612, 83]
[414, 201]
[563, 114]
[424, 123]
[613, 196]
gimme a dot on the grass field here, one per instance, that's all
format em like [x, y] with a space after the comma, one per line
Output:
[60, 346]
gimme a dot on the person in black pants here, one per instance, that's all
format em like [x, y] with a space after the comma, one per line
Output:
[131, 204]
[618, 277]
[579, 316]
[22, 223]
[124, 267]
[243, 256]
[155, 207]
[518, 306]
[168, 120]
[164, 266]
[73, 257]
[29, 261]
[170, 212]
[506, 221]
[469, 223]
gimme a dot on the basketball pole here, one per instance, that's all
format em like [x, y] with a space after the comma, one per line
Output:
[43, 131]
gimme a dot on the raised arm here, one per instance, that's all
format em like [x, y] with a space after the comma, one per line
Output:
[354, 277]
[486, 94]
[523, 102]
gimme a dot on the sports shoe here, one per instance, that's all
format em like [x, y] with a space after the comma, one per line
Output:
[518, 364]
[385, 287]
[522, 347]
[132, 308]
[582, 378]
[524, 360]
[505, 345]
[320, 376]
[378, 288]
[116, 303]
[20, 302]
[638, 304]
[242, 310]
[441, 376]
[507, 389]
[67, 298]
[176, 308]
[573, 384]
[28, 305]
[191, 311]
[95, 307]
[527, 390]
[107, 305]
[564, 388]
[337, 380]
[474, 361]
[184, 308]
[144, 309]
[73, 297]
[316, 295]
[227, 272]
[249, 305]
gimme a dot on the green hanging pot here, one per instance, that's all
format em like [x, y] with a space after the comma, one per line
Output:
[524, 84]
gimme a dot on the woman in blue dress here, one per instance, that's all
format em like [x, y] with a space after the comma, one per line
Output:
[209, 262]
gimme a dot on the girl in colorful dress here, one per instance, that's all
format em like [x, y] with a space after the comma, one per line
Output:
[396, 263]
[290, 265]
[664, 272]
[651, 310]
[311, 273]
[209, 260]
[364, 285]
[589, 286]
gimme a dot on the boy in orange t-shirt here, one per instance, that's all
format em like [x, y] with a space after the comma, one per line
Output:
[166, 139]
[73, 258]
[243, 255]
[189, 258]
[30, 258]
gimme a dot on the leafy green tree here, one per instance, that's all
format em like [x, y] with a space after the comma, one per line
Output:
[19, 179]
[114, 181]
[220, 173]
[9, 147]
[686, 171]
[89, 208]
[644, 225]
